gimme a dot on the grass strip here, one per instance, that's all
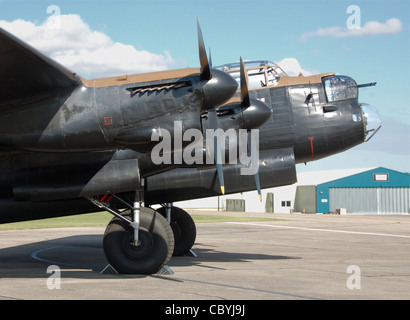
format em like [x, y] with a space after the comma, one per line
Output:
[103, 218]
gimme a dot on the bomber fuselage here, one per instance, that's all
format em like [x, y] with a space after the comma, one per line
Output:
[97, 138]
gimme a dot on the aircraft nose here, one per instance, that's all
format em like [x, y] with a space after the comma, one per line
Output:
[371, 120]
[219, 89]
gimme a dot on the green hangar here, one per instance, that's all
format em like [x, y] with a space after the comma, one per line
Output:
[376, 191]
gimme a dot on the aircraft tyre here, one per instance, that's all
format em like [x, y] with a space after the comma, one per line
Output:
[184, 229]
[154, 251]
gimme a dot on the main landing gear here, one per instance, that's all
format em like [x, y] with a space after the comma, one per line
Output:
[141, 240]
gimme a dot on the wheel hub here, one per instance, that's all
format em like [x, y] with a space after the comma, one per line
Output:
[142, 249]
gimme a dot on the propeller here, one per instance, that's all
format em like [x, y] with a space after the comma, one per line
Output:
[212, 116]
[253, 140]
[218, 87]
[255, 113]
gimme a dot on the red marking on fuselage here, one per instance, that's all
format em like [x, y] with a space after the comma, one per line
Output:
[107, 121]
[311, 146]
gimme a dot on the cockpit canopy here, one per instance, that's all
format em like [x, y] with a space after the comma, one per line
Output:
[261, 73]
[340, 88]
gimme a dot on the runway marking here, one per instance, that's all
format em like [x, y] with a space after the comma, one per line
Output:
[35, 256]
[244, 288]
[323, 230]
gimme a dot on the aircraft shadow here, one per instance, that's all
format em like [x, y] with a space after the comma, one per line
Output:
[83, 257]
[206, 255]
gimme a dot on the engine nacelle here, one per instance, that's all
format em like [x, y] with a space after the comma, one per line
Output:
[276, 168]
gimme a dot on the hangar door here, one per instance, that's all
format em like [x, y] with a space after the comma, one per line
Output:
[371, 200]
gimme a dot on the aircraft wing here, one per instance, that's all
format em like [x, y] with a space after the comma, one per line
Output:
[27, 73]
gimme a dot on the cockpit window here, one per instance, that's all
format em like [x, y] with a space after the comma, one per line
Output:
[260, 73]
[340, 88]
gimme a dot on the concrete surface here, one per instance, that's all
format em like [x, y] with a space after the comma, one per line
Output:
[298, 257]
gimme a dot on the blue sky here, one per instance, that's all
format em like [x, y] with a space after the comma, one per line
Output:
[159, 35]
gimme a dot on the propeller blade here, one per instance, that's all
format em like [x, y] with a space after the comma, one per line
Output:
[244, 86]
[258, 186]
[213, 124]
[205, 67]
[255, 159]
[210, 58]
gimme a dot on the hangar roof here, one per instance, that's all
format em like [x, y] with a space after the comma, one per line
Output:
[378, 177]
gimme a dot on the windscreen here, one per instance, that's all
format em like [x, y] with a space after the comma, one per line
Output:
[340, 88]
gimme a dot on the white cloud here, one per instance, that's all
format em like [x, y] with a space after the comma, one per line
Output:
[370, 28]
[292, 67]
[89, 53]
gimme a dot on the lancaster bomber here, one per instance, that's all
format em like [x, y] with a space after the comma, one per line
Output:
[127, 144]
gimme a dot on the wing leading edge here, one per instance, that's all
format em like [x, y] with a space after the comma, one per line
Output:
[26, 72]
